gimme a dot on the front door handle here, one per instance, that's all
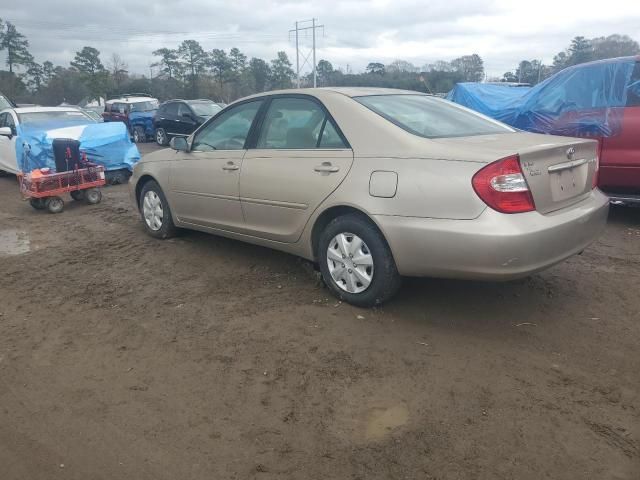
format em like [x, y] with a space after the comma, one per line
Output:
[326, 167]
[230, 166]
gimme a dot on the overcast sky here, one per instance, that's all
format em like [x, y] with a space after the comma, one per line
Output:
[356, 32]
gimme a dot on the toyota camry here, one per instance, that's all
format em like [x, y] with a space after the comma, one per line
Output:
[376, 184]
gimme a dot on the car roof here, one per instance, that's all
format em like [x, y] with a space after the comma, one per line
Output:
[632, 58]
[193, 100]
[44, 109]
[364, 91]
[131, 100]
[346, 91]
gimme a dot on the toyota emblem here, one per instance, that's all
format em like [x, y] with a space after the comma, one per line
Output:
[571, 151]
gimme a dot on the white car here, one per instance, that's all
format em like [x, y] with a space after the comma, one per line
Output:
[59, 122]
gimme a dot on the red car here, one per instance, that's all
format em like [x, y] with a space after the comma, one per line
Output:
[599, 100]
[620, 154]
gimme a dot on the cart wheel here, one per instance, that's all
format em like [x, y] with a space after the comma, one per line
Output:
[77, 195]
[38, 203]
[93, 196]
[54, 204]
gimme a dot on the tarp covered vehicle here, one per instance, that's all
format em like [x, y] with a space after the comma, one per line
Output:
[598, 100]
[141, 124]
[27, 134]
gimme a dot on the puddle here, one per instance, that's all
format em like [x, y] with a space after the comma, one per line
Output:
[382, 420]
[14, 242]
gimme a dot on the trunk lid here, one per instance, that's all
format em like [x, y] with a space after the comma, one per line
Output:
[555, 180]
[560, 176]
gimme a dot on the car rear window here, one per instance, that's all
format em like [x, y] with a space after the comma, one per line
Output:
[144, 106]
[431, 117]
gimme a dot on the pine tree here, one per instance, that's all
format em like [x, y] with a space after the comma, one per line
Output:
[16, 45]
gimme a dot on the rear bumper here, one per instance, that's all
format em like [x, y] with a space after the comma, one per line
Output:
[494, 246]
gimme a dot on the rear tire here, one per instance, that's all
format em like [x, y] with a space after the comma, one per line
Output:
[54, 204]
[155, 211]
[116, 177]
[161, 137]
[367, 275]
[139, 136]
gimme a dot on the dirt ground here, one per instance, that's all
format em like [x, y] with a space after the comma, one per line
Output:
[125, 357]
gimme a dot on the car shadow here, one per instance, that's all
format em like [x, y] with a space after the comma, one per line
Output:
[624, 215]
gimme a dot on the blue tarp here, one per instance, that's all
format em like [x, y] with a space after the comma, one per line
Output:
[584, 100]
[144, 120]
[106, 144]
[496, 101]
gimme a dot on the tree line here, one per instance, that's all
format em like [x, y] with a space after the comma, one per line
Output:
[580, 50]
[190, 71]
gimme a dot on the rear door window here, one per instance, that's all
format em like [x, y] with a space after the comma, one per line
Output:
[183, 109]
[120, 108]
[171, 109]
[297, 123]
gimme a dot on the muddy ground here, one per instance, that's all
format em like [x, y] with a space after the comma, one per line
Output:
[124, 357]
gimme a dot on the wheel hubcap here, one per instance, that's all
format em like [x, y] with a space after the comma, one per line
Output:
[350, 263]
[160, 136]
[152, 210]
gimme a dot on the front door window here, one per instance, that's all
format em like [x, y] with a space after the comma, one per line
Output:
[229, 131]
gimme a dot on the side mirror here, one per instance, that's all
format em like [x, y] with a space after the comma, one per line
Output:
[6, 132]
[180, 144]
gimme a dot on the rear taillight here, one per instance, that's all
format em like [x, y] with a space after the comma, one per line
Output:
[502, 186]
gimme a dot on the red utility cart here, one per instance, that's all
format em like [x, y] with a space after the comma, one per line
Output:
[44, 191]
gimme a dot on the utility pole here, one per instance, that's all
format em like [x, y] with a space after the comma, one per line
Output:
[297, 59]
[305, 58]
[314, 52]
[539, 70]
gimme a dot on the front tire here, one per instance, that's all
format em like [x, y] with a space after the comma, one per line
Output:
[38, 203]
[356, 262]
[155, 211]
[93, 196]
[54, 204]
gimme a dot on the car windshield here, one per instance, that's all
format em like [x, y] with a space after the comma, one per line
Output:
[4, 103]
[61, 118]
[144, 106]
[92, 114]
[205, 109]
[431, 117]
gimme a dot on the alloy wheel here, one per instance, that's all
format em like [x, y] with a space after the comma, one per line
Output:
[160, 137]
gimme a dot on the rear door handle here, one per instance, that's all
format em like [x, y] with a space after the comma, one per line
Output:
[326, 167]
[230, 166]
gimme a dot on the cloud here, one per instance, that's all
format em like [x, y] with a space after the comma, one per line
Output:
[356, 31]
